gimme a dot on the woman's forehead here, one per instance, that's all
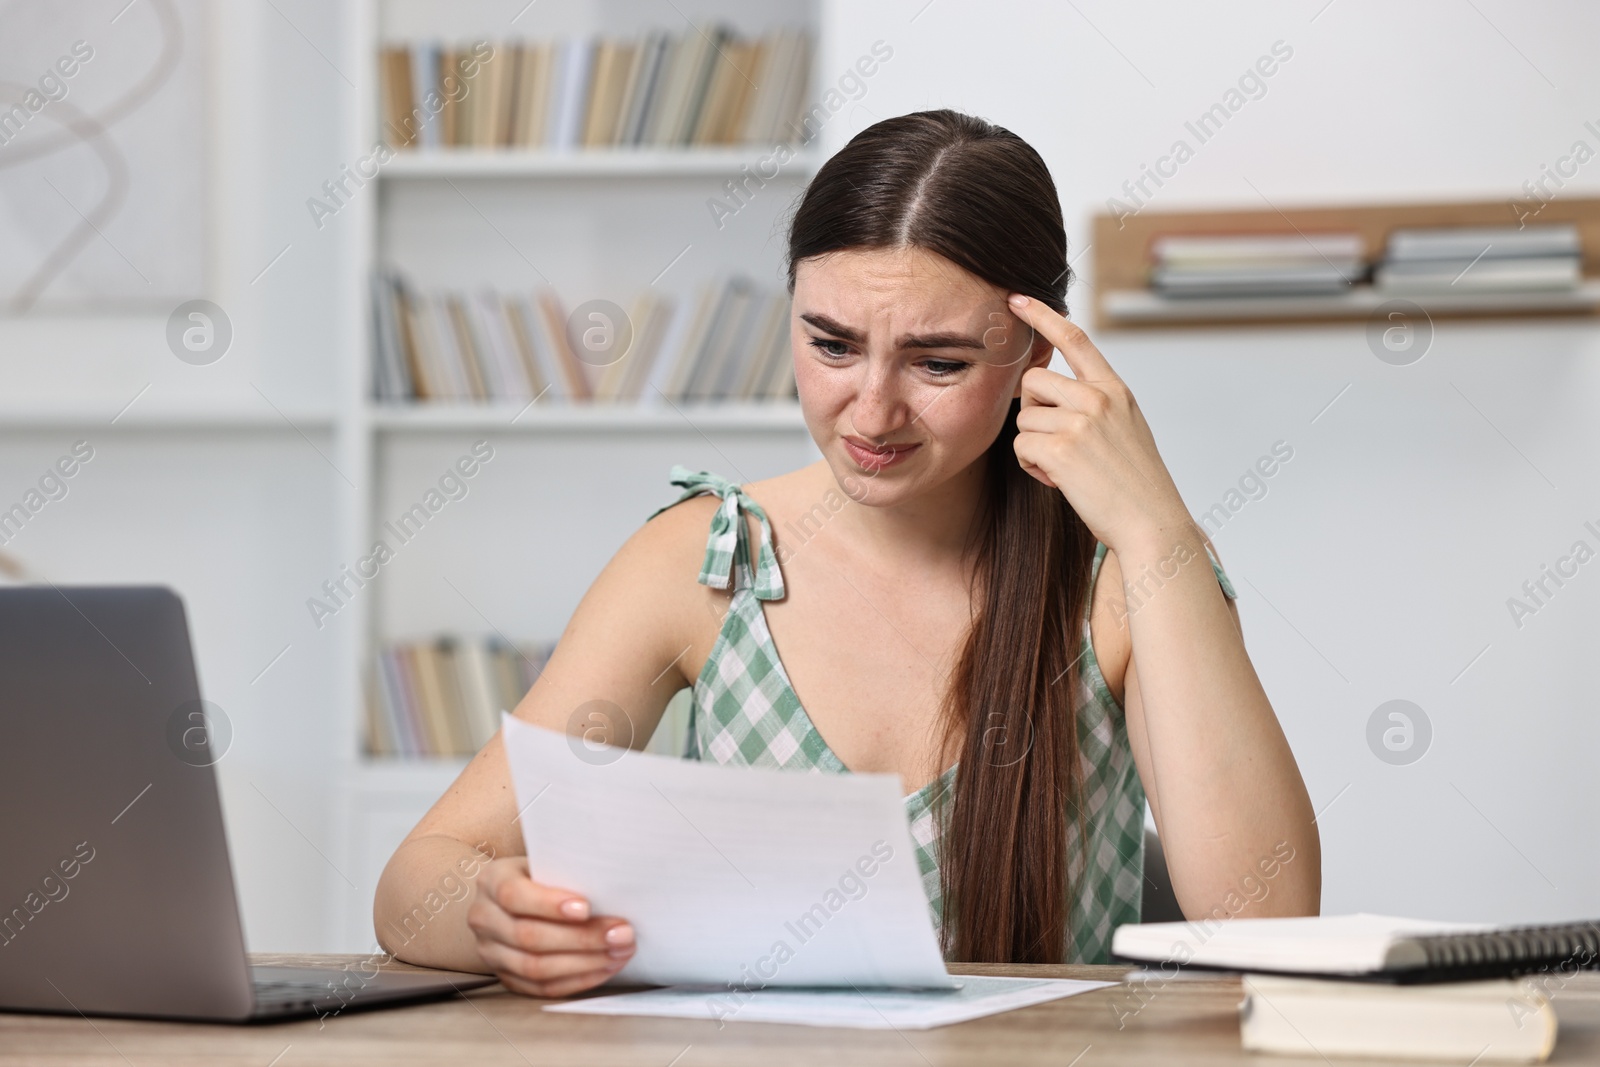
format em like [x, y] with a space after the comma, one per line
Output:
[905, 279]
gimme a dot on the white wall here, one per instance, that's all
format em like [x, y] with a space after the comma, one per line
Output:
[1378, 564]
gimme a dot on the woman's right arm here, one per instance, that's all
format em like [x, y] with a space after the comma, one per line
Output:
[456, 893]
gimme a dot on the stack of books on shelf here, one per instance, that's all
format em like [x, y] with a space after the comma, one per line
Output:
[1375, 985]
[444, 697]
[729, 343]
[1481, 259]
[703, 86]
[1255, 265]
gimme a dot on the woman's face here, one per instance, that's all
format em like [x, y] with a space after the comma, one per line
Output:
[905, 364]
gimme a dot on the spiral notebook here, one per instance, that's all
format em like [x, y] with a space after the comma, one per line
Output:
[1377, 947]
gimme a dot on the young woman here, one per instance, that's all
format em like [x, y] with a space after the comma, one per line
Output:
[932, 584]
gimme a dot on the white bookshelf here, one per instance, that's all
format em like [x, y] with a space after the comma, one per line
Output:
[205, 416]
[563, 418]
[598, 221]
[588, 163]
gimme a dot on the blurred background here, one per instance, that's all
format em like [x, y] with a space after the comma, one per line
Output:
[278, 274]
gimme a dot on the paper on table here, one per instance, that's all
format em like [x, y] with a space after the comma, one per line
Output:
[865, 1009]
[729, 875]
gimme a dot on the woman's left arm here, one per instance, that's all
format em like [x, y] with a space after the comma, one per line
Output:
[1224, 789]
[1236, 824]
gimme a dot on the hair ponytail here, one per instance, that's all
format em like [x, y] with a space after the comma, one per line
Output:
[1011, 702]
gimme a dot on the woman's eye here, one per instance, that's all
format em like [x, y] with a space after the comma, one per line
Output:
[937, 368]
[821, 344]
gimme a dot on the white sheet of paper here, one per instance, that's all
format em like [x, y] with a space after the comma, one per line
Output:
[730, 876]
[863, 1009]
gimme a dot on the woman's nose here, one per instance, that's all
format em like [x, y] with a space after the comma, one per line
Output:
[879, 408]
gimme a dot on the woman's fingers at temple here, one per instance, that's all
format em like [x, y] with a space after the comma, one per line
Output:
[1070, 340]
[1043, 387]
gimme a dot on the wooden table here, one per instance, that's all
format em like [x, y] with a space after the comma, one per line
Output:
[1190, 1021]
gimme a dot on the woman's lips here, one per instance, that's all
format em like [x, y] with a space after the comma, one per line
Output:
[875, 459]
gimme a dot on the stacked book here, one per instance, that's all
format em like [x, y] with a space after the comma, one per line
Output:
[1255, 265]
[702, 86]
[1481, 259]
[1374, 985]
[729, 342]
[444, 697]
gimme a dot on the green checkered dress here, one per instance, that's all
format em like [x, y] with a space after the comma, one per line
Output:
[744, 711]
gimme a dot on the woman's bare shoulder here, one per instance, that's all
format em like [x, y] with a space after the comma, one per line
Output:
[674, 529]
[667, 551]
[677, 536]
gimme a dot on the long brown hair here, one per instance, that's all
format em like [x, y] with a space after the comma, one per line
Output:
[981, 197]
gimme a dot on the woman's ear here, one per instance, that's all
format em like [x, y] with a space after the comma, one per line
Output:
[1039, 353]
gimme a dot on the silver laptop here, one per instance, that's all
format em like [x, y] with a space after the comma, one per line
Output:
[116, 891]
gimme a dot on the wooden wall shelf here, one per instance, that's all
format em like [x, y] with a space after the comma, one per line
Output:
[1122, 299]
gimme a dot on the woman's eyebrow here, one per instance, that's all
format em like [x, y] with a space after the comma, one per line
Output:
[947, 339]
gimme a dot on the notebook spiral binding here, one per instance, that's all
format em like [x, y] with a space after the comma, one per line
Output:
[1518, 950]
